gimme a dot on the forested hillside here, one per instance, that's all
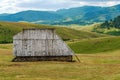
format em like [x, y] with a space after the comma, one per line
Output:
[111, 24]
[111, 27]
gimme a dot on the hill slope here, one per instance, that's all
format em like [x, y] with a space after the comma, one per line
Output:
[8, 29]
[91, 46]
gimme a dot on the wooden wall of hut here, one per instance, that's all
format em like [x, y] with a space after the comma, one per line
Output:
[40, 42]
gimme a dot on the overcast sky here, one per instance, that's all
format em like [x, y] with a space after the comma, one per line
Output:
[13, 6]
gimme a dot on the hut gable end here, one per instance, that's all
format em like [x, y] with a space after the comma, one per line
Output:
[40, 43]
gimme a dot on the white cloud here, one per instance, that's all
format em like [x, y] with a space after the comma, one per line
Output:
[8, 6]
[12, 6]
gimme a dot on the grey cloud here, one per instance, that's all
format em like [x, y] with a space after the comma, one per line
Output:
[48, 4]
[58, 4]
[20, 5]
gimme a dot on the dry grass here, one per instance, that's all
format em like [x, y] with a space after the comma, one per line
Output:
[101, 66]
[5, 46]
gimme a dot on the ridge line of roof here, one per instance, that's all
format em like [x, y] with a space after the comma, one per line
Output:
[39, 29]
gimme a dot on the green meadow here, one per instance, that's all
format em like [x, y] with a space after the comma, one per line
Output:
[99, 62]
[99, 55]
[91, 46]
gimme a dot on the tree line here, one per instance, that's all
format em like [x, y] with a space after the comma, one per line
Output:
[115, 23]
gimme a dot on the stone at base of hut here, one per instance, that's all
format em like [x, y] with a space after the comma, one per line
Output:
[42, 58]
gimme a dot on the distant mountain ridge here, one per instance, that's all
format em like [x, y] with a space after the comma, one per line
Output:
[90, 14]
[31, 16]
[79, 15]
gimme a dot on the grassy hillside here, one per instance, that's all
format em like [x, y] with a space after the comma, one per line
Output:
[111, 31]
[9, 29]
[91, 46]
[101, 66]
[88, 46]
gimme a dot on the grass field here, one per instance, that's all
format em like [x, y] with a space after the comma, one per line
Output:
[91, 46]
[98, 66]
[99, 55]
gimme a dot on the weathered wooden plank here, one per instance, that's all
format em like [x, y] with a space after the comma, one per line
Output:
[40, 42]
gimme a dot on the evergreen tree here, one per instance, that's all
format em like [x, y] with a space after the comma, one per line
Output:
[112, 23]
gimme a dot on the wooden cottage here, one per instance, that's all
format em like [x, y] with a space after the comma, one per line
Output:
[40, 45]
